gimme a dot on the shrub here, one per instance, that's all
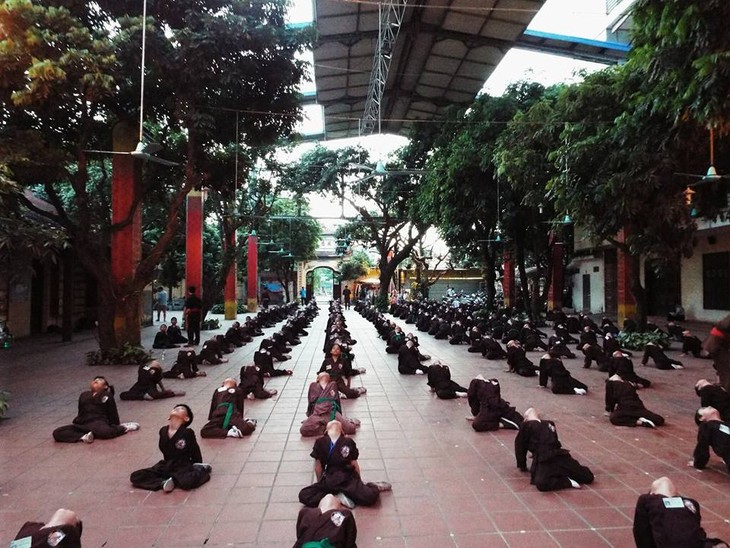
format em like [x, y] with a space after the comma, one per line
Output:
[126, 355]
[207, 325]
[637, 341]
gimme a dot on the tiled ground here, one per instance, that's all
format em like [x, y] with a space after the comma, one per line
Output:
[451, 486]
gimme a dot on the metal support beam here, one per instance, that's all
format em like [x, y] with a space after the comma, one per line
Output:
[389, 22]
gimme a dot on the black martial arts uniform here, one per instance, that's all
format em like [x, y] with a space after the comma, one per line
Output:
[661, 360]
[163, 340]
[337, 526]
[593, 352]
[714, 395]
[552, 466]
[180, 453]
[624, 368]
[175, 334]
[185, 367]
[692, 345]
[561, 381]
[492, 350]
[211, 353]
[252, 382]
[625, 406]
[519, 362]
[226, 410]
[36, 535]
[488, 407]
[193, 309]
[337, 370]
[97, 414]
[715, 434]
[339, 475]
[323, 406]
[148, 384]
[265, 361]
[409, 362]
[439, 379]
[669, 522]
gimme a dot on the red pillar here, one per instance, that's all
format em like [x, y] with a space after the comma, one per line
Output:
[126, 244]
[508, 279]
[555, 293]
[230, 303]
[194, 242]
[626, 302]
[252, 288]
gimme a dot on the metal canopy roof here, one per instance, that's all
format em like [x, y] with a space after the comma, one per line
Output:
[445, 51]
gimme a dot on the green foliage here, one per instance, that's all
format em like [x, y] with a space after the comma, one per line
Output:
[382, 303]
[637, 341]
[127, 354]
[210, 324]
[4, 402]
[354, 266]
[219, 308]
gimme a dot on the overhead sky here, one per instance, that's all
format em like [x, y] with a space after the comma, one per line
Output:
[581, 18]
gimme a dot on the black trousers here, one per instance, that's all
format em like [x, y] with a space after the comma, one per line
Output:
[193, 326]
[187, 477]
[364, 494]
[74, 432]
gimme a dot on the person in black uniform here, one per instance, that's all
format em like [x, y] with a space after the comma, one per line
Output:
[330, 521]
[552, 466]
[324, 406]
[182, 463]
[621, 365]
[338, 472]
[624, 406]
[225, 418]
[561, 381]
[149, 385]
[408, 360]
[192, 310]
[63, 530]
[163, 339]
[338, 369]
[713, 433]
[714, 395]
[97, 417]
[252, 383]
[661, 360]
[489, 410]
[439, 379]
[174, 332]
[665, 519]
[691, 344]
[518, 361]
[185, 367]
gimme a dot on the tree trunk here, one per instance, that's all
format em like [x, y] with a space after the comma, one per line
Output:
[490, 278]
[637, 290]
[119, 316]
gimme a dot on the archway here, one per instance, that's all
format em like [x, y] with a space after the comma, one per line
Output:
[324, 283]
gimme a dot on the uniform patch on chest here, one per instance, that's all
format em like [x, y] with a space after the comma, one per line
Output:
[724, 429]
[337, 518]
[345, 451]
[689, 505]
[180, 444]
[55, 538]
[103, 400]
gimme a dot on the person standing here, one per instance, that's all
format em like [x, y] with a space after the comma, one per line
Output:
[192, 310]
[161, 297]
[303, 296]
[346, 293]
[717, 346]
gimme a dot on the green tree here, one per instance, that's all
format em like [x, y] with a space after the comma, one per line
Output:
[354, 266]
[70, 70]
[387, 219]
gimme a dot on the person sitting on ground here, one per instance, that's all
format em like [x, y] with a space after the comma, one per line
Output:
[439, 379]
[408, 362]
[592, 352]
[175, 333]
[211, 353]
[552, 466]
[324, 406]
[97, 417]
[236, 336]
[252, 383]
[162, 339]
[621, 365]
[625, 408]
[335, 365]
[63, 530]
[558, 348]
[661, 360]
[714, 395]
[330, 524]
[518, 361]
[491, 349]
[611, 345]
[225, 418]
[691, 344]
[149, 384]
[489, 410]
[185, 367]
[665, 519]
[265, 361]
[182, 463]
[713, 433]
[338, 472]
[561, 381]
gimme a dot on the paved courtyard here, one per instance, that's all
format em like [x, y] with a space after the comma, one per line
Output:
[451, 485]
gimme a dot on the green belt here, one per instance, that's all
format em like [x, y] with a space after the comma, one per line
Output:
[324, 543]
[229, 413]
[335, 407]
